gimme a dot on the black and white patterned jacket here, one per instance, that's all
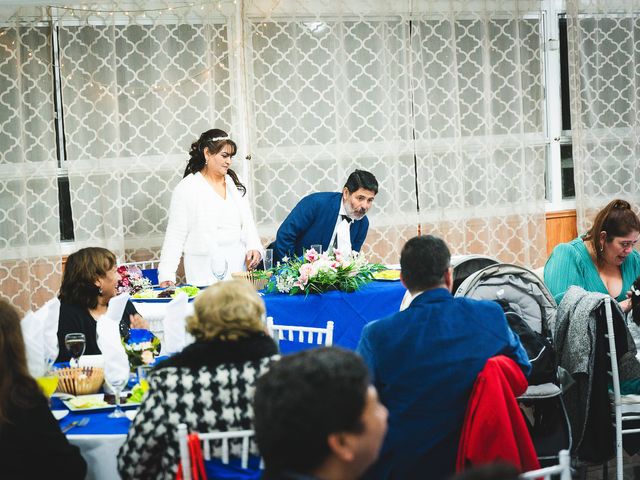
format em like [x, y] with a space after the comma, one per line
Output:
[208, 386]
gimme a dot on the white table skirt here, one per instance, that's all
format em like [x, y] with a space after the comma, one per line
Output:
[100, 452]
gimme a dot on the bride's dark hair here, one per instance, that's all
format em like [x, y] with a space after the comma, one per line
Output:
[214, 139]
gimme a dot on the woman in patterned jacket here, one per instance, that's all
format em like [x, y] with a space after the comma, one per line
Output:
[208, 386]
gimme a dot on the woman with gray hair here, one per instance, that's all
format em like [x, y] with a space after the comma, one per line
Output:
[208, 386]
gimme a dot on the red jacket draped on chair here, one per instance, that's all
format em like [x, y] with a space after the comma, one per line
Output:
[494, 428]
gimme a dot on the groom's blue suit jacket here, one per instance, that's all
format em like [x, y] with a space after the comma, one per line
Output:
[312, 222]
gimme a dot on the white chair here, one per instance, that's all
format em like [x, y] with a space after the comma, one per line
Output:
[145, 265]
[210, 439]
[312, 335]
[563, 468]
[626, 407]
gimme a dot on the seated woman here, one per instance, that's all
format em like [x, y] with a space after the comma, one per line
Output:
[31, 443]
[603, 260]
[89, 281]
[208, 386]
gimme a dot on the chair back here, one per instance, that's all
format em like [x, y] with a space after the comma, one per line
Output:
[563, 469]
[208, 440]
[149, 269]
[626, 408]
[298, 333]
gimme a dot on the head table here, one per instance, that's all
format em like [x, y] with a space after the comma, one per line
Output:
[350, 312]
[101, 438]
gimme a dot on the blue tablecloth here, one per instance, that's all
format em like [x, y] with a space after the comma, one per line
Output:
[350, 312]
[99, 422]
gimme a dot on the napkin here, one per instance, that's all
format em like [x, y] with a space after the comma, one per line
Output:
[96, 361]
[116, 306]
[174, 324]
[40, 333]
[50, 329]
[116, 363]
[33, 334]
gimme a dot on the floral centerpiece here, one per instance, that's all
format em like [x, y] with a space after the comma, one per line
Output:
[317, 273]
[142, 347]
[132, 280]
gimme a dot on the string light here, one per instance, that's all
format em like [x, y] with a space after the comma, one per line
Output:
[136, 12]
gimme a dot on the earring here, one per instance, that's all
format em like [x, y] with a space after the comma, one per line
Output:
[99, 290]
[601, 248]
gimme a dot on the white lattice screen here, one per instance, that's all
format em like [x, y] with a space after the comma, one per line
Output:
[443, 101]
[442, 104]
[604, 61]
[138, 87]
[29, 231]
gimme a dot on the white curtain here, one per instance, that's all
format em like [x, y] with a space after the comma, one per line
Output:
[604, 62]
[442, 101]
[30, 261]
[139, 87]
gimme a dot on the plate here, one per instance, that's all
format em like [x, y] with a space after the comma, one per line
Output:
[165, 299]
[58, 414]
[91, 402]
[131, 414]
[387, 275]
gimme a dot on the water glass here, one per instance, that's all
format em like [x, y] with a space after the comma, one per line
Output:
[143, 372]
[117, 386]
[268, 259]
[75, 343]
[317, 248]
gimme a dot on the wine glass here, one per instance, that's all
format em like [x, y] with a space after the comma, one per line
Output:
[75, 343]
[48, 382]
[117, 386]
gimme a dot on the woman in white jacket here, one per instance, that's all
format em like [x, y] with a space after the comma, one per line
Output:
[209, 219]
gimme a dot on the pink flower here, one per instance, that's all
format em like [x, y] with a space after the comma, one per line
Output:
[311, 255]
[147, 357]
[306, 270]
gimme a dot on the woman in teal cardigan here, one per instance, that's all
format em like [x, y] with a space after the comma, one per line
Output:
[603, 260]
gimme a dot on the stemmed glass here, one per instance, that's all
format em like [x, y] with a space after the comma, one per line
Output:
[75, 343]
[48, 382]
[117, 386]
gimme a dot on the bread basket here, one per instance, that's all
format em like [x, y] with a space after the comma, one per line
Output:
[257, 282]
[80, 380]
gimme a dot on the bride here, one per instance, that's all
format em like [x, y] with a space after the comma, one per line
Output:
[209, 219]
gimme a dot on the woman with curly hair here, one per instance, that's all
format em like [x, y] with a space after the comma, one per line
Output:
[208, 386]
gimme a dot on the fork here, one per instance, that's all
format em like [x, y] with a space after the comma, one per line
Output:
[76, 423]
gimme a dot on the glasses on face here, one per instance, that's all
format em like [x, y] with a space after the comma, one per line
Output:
[627, 244]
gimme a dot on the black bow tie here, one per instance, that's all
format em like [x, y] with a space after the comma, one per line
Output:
[347, 218]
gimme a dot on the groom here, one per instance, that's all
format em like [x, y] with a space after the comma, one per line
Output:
[333, 220]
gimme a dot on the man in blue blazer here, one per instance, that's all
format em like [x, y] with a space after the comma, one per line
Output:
[324, 218]
[424, 361]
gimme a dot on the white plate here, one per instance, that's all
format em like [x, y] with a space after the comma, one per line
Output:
[58, 414]
[96, 397]
[131, 414]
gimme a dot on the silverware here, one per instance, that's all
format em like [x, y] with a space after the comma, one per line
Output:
[76, 423]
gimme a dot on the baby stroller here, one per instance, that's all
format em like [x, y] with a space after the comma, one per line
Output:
[531, 311]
